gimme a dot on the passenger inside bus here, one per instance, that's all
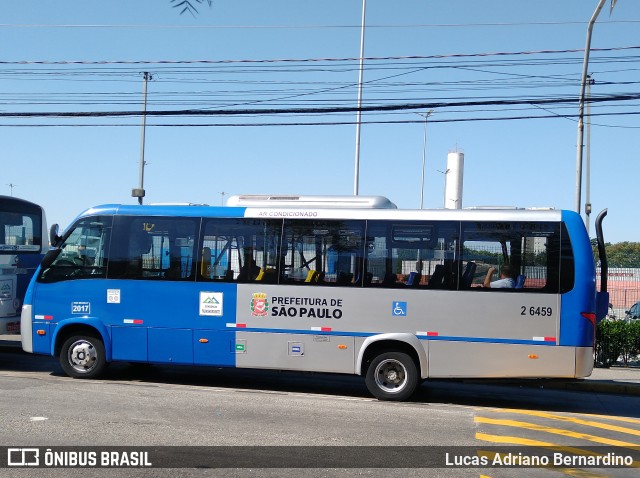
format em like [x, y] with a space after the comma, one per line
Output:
[84, 256]
[506, 280]
[249, 271]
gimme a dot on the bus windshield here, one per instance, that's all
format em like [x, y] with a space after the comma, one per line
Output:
[22, 228]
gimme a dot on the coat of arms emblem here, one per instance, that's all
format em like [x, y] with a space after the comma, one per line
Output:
[259, 304]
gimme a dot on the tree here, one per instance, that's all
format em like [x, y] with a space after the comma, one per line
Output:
[621, 254]
[188, 5]
[624, 254]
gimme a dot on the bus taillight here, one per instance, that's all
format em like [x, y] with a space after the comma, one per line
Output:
[590, 316]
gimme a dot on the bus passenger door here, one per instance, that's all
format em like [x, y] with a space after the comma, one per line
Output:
[164, 315]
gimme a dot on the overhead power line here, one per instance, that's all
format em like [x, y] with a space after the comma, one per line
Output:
[304, 27]
[327, 110]
[309, 60]
[457, 84]
[332, 123]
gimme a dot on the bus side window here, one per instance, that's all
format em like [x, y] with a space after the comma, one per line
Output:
[527, 254]
[239, 250]
[489, 256]
[409, 254]
[158, 248]
[323, 252]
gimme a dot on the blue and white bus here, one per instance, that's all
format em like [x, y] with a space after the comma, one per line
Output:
[325, 284]
[22, 229]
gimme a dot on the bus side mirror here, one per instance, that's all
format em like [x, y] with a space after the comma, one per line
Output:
[54, 238]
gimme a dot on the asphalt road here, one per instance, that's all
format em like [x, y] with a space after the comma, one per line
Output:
[203, 406]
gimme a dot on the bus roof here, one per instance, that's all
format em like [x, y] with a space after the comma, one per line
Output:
[11, 202]
[275, 211]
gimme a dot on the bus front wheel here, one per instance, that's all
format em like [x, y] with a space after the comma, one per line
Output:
[392, 376]
[83, 356]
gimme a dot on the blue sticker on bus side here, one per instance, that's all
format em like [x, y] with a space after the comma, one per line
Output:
[399, 309]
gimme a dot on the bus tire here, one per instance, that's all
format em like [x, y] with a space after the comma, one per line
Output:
[392, 376]
[83, 356]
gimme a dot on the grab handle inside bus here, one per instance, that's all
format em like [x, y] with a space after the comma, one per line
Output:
[602, 296]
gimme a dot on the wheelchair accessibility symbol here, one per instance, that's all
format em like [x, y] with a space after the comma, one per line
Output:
[399, 309]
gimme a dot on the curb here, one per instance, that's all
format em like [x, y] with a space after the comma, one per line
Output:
[577, 385]
[601, 386]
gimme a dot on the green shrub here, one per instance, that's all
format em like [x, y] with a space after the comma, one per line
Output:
[616, 339]
[631, 341]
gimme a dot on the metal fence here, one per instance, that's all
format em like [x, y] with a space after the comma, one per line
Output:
[619, 344]
[624, 288]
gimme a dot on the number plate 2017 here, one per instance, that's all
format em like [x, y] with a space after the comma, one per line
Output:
[80, 307]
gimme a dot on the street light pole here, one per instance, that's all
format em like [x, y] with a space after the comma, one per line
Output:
[583, 84]
[356, 176]
[424, 157]
[424, 154]
[139, 191]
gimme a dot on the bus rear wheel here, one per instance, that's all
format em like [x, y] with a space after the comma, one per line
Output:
[392, 376]
[83, 356]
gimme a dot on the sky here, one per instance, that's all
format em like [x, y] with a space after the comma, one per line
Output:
[274, 86]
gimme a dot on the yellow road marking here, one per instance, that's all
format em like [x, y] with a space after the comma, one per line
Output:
[556, 431]
[567, 471]
[614, 418]
[511, 440]
[579, 421]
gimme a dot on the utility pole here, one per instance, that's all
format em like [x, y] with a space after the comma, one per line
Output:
[139, 191]
[11, 186]
[587, 179]
[356, 176]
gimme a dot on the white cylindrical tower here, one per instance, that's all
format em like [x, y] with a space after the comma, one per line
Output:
[453, 181]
